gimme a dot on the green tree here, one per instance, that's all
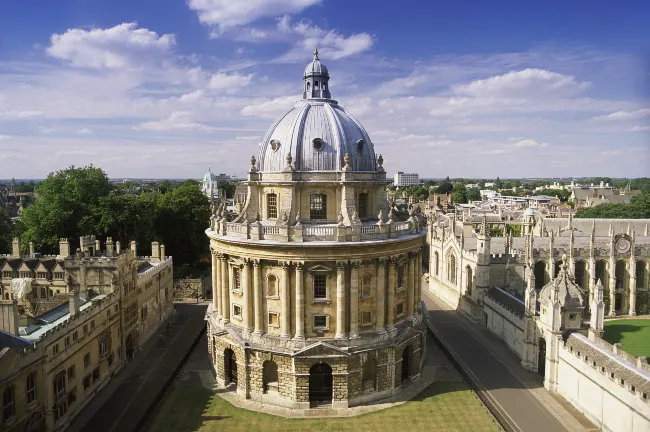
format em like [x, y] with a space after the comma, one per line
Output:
[459, 194]
[445, 187]
[127, 217]
[473, 194]
[65, 207]
[562, 194]
[228, 187]
[638, 208]
[6, 231]
[181, 221]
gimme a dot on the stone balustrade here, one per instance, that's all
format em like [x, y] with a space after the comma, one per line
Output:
[316, 232]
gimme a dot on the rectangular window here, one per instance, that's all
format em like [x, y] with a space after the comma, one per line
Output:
[86, 382]
[43, 293]
[8, 403]
[67, 341]
[92, 324]
[85, 328]
[71, 373]
[362, 205]
[400, 309]
[366, 286]
[72, 397]
[236, 311]
[274, 319]
[366, 318]
[34, 292]
[320, 321]
[95, 375]
[103, 346]
[320, 286]
[75, 336]
[86, 360]
[31, 387]
[318, 207]
[272, 206]
[55, 349]
[236, 274]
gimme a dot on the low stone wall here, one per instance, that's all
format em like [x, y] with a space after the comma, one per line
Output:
[189, 288]
[609, 386]
[505, 324]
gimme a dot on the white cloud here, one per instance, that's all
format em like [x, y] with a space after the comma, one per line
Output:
[270, 108]
[122, 46]
[640, 128]
[84, 131]
[330, 43]
[524, 83]
[4, 137]
[176, 121]
[529, 143]
[625, 115]
[229, 83]
[230, 13]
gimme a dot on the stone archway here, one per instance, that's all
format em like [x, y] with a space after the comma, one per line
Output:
[320, 384]
[270, 376]
[230, 366]
[541, 357]
[406, 364]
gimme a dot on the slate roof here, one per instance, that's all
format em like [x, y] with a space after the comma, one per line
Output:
[8, 340]
[509, 302]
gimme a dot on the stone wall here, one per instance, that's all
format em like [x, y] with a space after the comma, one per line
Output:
[604, 385]
[505, 325]
[188, 288]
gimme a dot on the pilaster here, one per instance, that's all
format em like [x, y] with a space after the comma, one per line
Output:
[257, 297]
[354, 299]
[225, 290]
[380, 295]
[340, 300]
[390, 312]
[300, 302]
[285, 322]
[410, 287]
[247, 313]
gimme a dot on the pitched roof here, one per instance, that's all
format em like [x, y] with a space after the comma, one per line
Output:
[8, 340]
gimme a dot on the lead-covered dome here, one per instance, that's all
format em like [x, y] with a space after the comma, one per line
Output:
[317, 132]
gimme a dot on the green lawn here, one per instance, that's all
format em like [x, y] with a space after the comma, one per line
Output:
[632, 334]
[445, 406]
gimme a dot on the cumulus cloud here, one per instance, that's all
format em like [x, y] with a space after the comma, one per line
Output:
[229, 13]
[529, 143]
[122, 46]
[229, 83]
[4, 137]
[84, 131]
[176, 121]
[331, 43]
[625, 115]
[523, 83]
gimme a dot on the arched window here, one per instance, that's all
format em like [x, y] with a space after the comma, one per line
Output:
[468, 280]
[451, 269]
[641, 274]
[366, 285]
[308, 85]
[362, 205]
[556, 271]
[271, 206]
[272, 286]
[621, 274]
[315, 85]
[400, 276]
[269, 376]
[436, 263]
[8, 403]
[369, 375]
[318, 206]
[540, 275]
[30, 387]
[580, 270]
[601, 273]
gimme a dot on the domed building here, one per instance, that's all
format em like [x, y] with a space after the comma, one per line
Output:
[317, 287]
[209, 185]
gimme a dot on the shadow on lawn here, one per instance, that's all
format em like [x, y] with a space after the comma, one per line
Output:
[614, 333]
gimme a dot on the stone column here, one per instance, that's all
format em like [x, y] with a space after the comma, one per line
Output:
[340, 300]
[410, 287]
[215, 284]
[592, 279]
[225, 290]
[247, 313]
[380, 295]
[300, 302]
[612, 286]
[632, 301]
[418, 275]
[257, 297]
[390, 313]
[285, 323]
[354, 299]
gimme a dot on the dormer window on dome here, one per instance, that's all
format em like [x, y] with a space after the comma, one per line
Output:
[318, 144]
[360, 144]
[275, 145]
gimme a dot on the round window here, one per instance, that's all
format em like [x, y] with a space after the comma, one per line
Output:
[275, 144]
[360, 145]
[318, 144]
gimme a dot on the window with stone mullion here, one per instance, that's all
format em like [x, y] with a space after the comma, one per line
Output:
[272, 206]
[320, 286]
[318, 207]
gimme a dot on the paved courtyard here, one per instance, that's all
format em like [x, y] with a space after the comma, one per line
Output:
[193, 404]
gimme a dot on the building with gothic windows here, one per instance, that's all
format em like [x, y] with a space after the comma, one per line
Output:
[317, 285]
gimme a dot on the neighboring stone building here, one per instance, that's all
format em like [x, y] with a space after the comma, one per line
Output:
[114, 302]
[316, 299]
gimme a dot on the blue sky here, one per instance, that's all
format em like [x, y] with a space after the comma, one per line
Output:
[466, 89]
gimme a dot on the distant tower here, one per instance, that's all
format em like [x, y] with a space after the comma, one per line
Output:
[528, 222]
[209, 185]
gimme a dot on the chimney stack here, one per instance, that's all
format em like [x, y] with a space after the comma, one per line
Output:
[15, 248]
[64, 248]
[118, 247]
[74, 303]
[155, 251]
[9, 316]
[109, 246]
[162, 252]
[31, 249]
[134, 248]
[98, 247]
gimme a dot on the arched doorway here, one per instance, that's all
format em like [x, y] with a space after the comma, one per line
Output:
[270, 376]
[129, 346]
[320, 384]
[405, 364]
[369, 375]
[541, 357]
[540, 275]
[230, 366]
